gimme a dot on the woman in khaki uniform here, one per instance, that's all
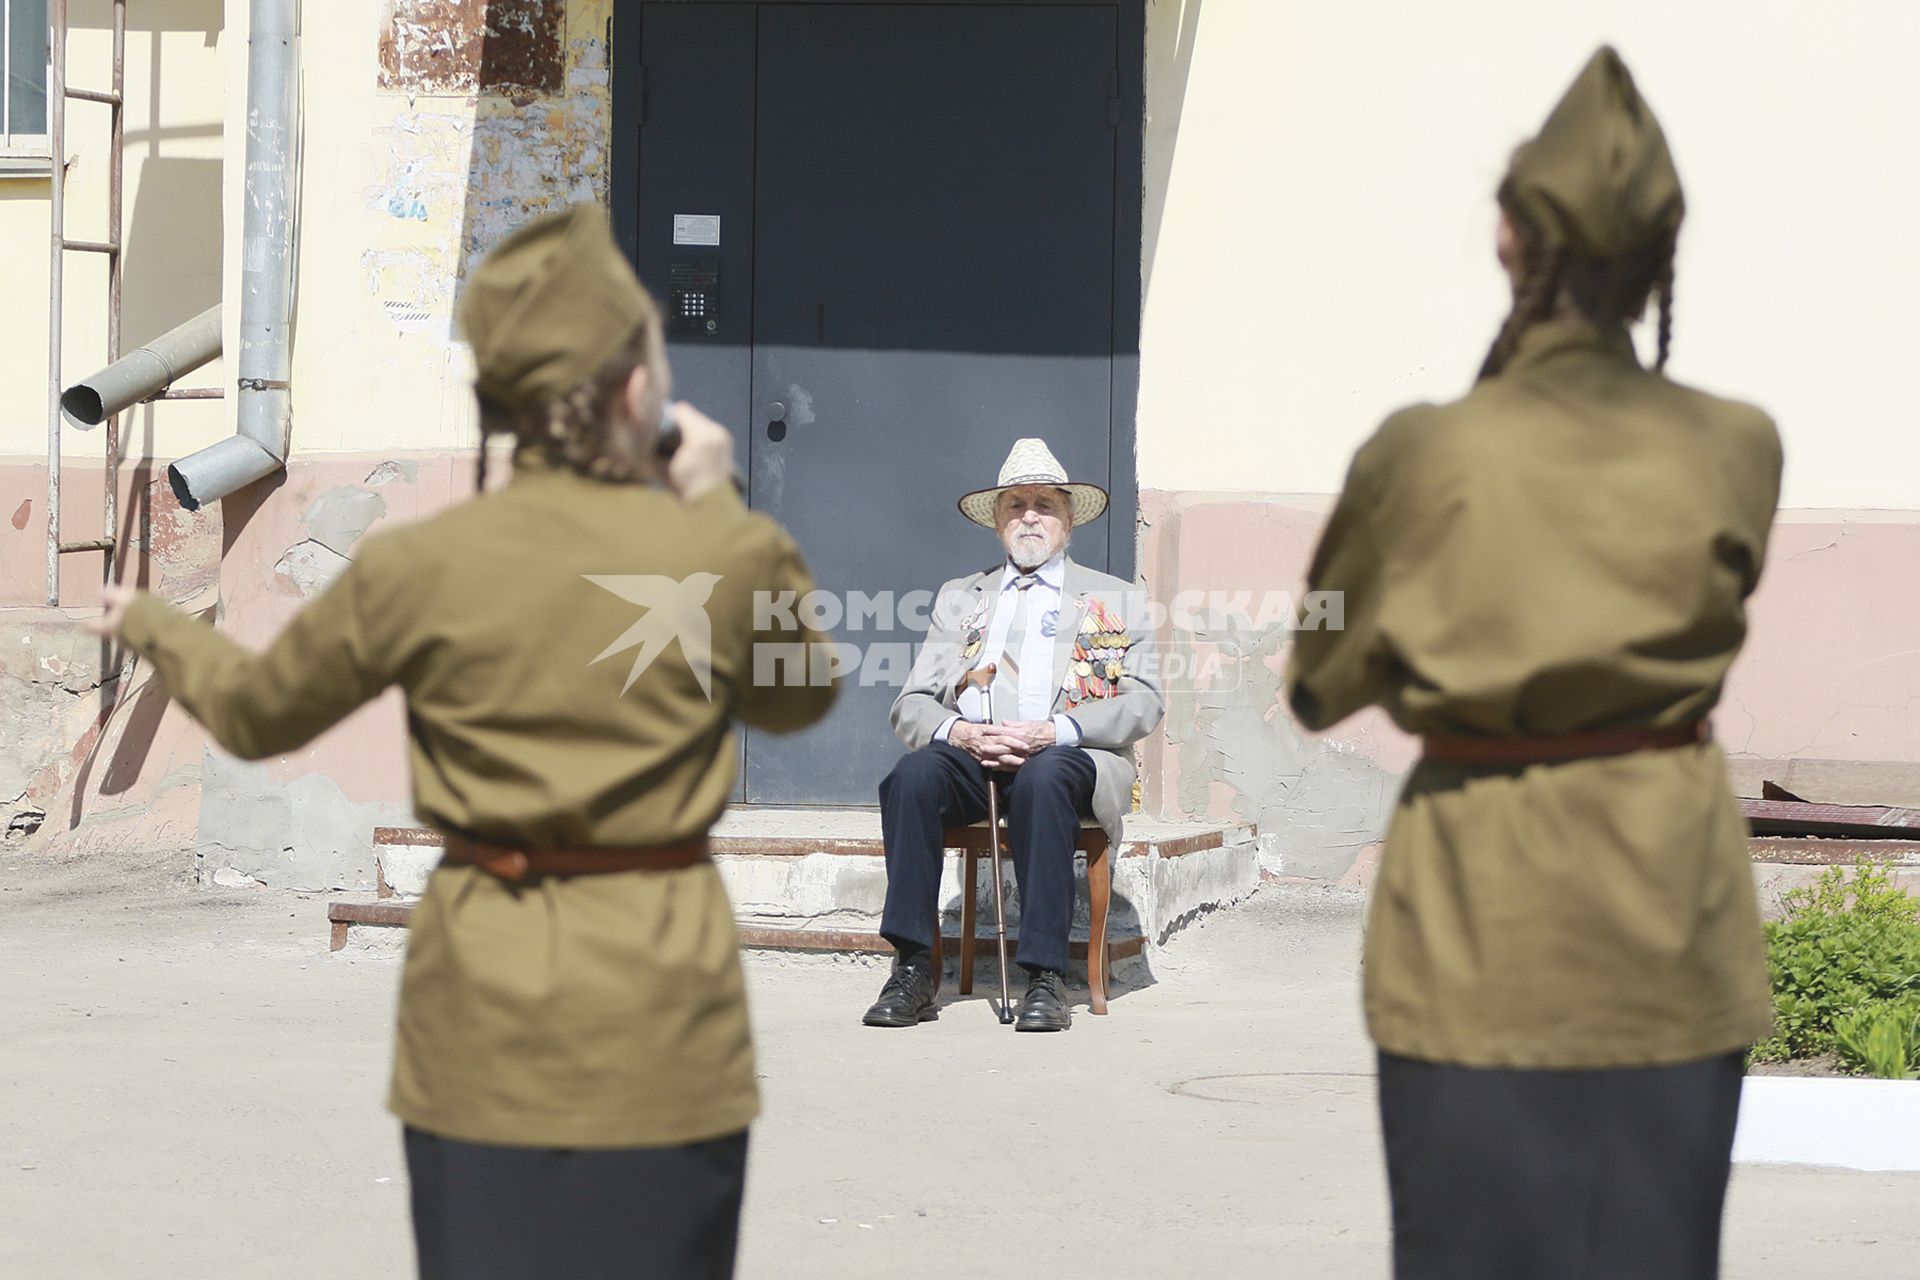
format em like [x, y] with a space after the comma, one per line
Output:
[574, 1065]
[1546, 580]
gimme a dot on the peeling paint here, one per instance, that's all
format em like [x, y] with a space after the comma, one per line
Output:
[419, 159]
[414, 291]
[461, 46]
[299, 834]
[449, 185]
[22, 512]
[308, 568]
[183, 547]
[1320, 805]
[393, 471]
[799, 405]
[533, 158]
[339, 517]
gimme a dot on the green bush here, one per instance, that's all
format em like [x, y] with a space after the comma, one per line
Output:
[1847, 949]
[1881, 1038]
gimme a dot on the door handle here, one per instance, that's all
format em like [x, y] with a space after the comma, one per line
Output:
[776, 411]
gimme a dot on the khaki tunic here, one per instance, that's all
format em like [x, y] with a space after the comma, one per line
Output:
[593, 1011]
[1567, 548]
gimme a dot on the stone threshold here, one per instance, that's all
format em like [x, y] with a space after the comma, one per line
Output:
[343, 916]
[801, 833]
[768, 838]
[773, 833]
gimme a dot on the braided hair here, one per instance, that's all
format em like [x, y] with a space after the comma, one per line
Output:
[1663, 286]
[588, 430]
[1535, 294]
[1607, 291]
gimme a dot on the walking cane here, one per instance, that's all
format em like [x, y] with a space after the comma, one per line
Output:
[982, 679]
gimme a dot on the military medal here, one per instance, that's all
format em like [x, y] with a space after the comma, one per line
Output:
[1095, 668]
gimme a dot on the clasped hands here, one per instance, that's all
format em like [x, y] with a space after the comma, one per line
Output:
[1002, 746]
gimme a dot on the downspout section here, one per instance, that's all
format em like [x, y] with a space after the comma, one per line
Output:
[146, 373]
[265, 413]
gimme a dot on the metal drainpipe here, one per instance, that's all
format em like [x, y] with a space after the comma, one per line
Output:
[146, 373]
[259, 446]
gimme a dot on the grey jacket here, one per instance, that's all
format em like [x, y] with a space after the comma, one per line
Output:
[1108, 725]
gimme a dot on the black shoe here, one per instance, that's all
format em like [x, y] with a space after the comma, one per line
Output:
[1044, 1007]
[907, 999]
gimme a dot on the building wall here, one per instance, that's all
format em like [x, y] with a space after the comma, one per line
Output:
[450, 122]
[1317, 251]
[430, 129]
[177, 54]
[137, 770]
[1320, 222]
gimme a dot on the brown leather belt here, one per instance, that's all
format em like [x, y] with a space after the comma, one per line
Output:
[517, 865]
[1547, 748]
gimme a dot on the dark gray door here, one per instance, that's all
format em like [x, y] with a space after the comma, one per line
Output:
[928, 265]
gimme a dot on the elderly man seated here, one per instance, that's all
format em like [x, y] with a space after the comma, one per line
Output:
[1072, 692]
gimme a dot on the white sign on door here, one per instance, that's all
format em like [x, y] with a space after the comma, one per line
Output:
[696, 228]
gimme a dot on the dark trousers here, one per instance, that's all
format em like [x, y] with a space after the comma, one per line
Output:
[484, 1212]
[941, 786]
[1568, 1175]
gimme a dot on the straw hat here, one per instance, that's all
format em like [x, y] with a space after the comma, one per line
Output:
[1031, 462]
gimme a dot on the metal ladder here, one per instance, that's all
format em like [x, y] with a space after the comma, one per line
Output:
[114, 98]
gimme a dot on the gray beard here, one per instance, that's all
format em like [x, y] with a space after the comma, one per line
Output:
[1027, 556]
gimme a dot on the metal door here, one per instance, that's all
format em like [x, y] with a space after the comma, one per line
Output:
[914, 210]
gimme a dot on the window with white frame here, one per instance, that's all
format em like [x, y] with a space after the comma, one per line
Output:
[23, 104]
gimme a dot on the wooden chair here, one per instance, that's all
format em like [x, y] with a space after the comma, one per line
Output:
[972, 841]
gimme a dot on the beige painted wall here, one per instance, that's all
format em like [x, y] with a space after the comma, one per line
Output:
[1324, 250]
[400, 186]
[1318, 221]
[403, 186]
[177, 54]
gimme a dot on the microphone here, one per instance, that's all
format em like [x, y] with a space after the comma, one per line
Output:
[667, 443]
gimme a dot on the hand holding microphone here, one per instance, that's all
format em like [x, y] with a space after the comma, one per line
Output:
[698, 452]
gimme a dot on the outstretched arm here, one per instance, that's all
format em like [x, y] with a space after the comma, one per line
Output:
[256, 704]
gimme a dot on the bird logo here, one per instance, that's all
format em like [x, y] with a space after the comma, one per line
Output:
[675, 610]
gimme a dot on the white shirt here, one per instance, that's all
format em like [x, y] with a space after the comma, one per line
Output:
[1035, 659]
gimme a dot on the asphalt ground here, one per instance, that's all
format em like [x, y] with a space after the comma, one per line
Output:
[193, 1087]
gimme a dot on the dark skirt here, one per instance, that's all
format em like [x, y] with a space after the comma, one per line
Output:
[1558, 1175]
[533, 1213]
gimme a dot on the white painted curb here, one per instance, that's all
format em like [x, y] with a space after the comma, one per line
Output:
[1851, 1124]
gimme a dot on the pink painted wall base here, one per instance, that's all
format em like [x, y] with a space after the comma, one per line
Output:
[1821, 702]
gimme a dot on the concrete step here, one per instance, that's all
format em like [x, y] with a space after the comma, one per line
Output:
[1832, 851]
[815, 880]
[1782, 864]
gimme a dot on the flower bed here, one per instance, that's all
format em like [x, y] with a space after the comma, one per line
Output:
[1845, 964]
